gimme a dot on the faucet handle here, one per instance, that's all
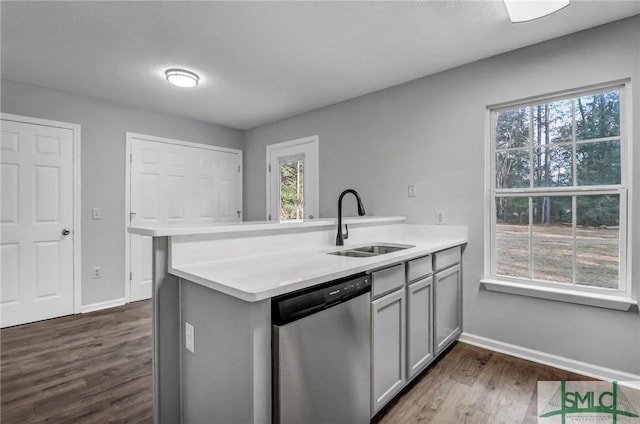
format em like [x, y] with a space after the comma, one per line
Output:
[345, 235]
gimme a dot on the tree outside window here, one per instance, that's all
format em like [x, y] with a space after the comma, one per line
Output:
[292, 189]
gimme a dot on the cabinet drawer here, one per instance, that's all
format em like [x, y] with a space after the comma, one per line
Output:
[447, 258]
[387, 280]
[419, 268]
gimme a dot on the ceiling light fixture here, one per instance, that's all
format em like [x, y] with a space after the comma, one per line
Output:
[181, 78]
[528, 10]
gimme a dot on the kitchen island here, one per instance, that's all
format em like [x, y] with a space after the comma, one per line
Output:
[221, 281]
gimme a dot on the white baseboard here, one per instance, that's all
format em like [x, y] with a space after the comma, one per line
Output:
[567, 364]
[102, 305]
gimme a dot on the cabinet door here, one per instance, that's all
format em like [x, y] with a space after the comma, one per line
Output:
[448, 307]
[419, 326]
[387, 348]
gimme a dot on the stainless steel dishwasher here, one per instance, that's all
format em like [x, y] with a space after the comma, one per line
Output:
[321, 354]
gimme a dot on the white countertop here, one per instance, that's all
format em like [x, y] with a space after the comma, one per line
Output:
[256, 277]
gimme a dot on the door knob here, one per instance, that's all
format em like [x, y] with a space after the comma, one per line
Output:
[66, 232]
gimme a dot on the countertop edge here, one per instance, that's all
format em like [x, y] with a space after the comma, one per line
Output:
[257, 226]
[270, 292]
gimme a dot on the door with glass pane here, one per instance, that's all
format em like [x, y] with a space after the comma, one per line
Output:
[292, 180]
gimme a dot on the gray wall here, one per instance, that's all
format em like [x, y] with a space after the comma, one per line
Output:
[104, 126]
[431, 132]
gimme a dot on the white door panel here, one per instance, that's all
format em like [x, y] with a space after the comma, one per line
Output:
[227, 185]
[146, 202]
[10, 273]
[205, 200]
[177, 184]
[37, 204]
[205, 189]
[141, 267]
[10, 180]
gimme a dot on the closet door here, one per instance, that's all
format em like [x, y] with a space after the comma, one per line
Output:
[176, 184]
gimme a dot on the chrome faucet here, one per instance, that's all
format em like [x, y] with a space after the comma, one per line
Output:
[340, 237]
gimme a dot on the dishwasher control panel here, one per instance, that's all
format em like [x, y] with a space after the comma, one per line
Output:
[297, 305]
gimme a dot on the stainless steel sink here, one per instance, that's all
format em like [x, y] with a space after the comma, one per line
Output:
[372, 250]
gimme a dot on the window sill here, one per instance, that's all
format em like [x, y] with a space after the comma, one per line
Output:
[619, 303]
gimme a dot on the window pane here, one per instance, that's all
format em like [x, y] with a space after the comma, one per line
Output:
[512, 169]
[552, 122]
[597, 235]
[598, 163]
[552, 166]
[291, 189]
[600, 211]
[598, 115]
[552, 217]
[512, 257]
[512, 216]
[552, 261]
[512, 128]
[597, 265]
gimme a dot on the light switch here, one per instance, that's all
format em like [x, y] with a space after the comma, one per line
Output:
[96, 213]
[412, 190]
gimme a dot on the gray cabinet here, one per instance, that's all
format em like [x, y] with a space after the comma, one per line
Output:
[387, 347]
[416, 313]
[419, 326]
[447, 282]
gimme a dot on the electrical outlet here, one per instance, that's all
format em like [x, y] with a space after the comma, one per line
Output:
[440, 218]
[96, 213]
[412, 190]
[189, 337]
[96, 272]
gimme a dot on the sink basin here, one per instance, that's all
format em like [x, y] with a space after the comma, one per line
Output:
[353, 253]
[373, 250]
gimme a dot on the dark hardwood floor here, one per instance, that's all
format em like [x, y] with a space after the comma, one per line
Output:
[472, 385]
[90, 368]
[96, 368]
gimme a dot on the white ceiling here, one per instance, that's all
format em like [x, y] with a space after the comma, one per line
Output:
[262, 61]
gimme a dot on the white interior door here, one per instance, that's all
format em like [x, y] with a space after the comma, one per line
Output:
[177, 183]
[37, 222]
[292, 180]
[228, 186]
[217, 195]
[155, 178]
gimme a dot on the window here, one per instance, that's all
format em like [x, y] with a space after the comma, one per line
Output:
[558, 194]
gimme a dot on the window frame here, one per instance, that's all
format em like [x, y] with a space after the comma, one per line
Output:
[556, 290]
